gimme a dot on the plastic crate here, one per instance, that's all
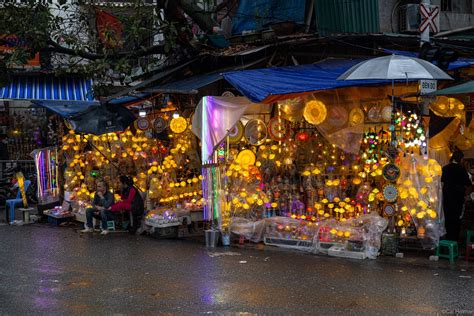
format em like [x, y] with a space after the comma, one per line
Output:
[339, 251]
[289, 243]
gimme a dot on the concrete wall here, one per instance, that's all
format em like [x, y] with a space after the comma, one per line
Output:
[457, 18]
[388, 24]
[451, 21]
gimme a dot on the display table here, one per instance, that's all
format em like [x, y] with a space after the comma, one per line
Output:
[174, 223]
[56, 218]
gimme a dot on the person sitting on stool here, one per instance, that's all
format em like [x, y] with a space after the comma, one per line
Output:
[131, 201]
[103, 199]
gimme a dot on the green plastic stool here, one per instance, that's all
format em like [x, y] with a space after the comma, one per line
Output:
[111, 225]
[469, 236]
[452, 247]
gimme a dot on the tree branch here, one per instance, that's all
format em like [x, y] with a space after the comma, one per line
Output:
[57, 48]
[203, 20]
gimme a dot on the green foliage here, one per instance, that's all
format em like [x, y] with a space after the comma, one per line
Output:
[69, 29]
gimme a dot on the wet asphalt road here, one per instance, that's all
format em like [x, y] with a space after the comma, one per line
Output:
[51, 271]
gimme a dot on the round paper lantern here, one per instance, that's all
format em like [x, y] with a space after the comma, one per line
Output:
[374, 114]
[178, 125]
[142, 124]
[255, 132]
[278, 128]
[159, 124]
[386, 113]
[246, 158]
[356, 116]
[337, 116]
[315, 112]
[236, 133]
[302, 136]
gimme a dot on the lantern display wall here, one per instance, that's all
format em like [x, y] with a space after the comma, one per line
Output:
[168, 170]
[325, 161]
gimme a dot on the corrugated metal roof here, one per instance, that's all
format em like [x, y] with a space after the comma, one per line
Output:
[48, 88]
[347, 16]
[186, 86]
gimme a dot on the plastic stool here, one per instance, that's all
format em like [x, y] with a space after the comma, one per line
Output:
[111, 225]
[469, 236]
[469, 252]
[452, 247]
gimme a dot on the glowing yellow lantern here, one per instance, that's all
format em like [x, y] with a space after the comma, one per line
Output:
[178, 125]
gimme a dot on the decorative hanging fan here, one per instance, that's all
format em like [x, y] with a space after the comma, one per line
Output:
[356, 116]
[386, 113]
[391, 172]
[178, 125]
[236, 133]
[337, 116]
[390, 192]
[278, 128]
[142, 124]
[255, 132]
[246, 158]
[315, 112]
[389, 210]
[159, 124]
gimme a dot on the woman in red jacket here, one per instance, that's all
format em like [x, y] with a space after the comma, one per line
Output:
[130, 201]
[126, 196]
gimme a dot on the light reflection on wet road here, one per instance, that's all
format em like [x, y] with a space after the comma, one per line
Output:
[49, 270]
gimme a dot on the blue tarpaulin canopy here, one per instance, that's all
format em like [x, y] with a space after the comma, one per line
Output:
[67, 109]
[48, 88]
[269, 84]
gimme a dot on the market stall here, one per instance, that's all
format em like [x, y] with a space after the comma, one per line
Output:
[329, 172]
[158, 152]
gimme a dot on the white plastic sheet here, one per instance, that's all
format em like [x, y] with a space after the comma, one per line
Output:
[214, 117]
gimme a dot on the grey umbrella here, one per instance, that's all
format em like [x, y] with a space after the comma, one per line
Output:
[395, 67]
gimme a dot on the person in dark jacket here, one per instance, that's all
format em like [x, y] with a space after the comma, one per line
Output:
[103, 199]
[455, 179]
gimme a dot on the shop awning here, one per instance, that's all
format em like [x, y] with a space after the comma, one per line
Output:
[48, 88]
[186, 86]
[271, 84]
[464, 88]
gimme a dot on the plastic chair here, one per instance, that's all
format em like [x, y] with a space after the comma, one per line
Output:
[12, 203]
[451, 246]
